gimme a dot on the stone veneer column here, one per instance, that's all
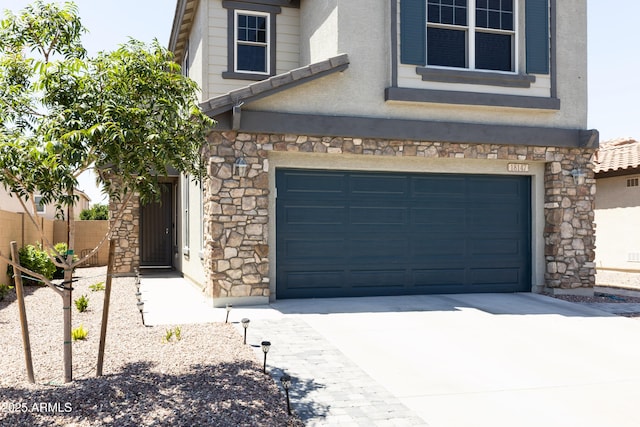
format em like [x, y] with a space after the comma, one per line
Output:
[236, 209]
[569, 227]
[236, 218]
[127, 237]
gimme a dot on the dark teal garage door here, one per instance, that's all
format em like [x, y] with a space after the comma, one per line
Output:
[359, 234]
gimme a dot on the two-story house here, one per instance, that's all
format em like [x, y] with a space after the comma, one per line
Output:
[384, 147]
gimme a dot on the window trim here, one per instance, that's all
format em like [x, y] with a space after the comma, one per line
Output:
[233, 8]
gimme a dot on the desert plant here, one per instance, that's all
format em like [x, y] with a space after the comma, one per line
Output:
[35, 259]
[4, 290]
[79, 333]
[170, 333]
[97, 287]
[81, 303]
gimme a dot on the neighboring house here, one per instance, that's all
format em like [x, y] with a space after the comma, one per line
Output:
[617, 215]
[10, 203]
[381, 148]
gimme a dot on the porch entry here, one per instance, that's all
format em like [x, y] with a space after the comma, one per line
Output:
[156, 230]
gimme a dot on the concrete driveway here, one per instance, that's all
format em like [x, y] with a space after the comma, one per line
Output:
[451, 360]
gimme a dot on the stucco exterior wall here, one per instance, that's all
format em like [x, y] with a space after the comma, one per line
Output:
[617, 218]
[360, 89]
[191, 257]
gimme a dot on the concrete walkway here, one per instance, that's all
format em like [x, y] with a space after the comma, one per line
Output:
[441, 361]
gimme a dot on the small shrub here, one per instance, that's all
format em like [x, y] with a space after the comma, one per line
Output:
[35, 259]
[170, 333]
[82, 303]
[97, 212]
[97, 287]
[79, 333]
[4, 290]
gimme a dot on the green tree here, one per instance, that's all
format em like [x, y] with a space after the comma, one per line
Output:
[129, 114]
[97, 212]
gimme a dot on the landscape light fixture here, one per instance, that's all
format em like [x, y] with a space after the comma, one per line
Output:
[286, 383]
[240, 167]
[229, 306]
[578, 176]
[266, 345]
[245, 325]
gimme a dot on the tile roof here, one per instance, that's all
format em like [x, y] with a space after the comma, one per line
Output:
[617, 154]
[280, 82]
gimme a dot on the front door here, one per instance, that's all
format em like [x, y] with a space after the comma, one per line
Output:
[156, 230]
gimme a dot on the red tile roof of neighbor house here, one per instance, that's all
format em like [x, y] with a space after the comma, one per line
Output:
[617, 154]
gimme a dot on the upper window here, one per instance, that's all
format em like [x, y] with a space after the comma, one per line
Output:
[474, 34]
[40, 208]
[252, 42]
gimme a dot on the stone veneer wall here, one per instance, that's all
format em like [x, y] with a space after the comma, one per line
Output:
[236, 209]
[127, 237]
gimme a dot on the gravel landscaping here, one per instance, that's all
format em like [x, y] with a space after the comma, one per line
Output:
[207, 378]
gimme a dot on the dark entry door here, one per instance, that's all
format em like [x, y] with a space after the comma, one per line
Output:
[156, 231]
[364, 233]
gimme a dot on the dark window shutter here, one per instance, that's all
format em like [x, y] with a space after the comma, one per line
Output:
[537, 35]
[413, 27]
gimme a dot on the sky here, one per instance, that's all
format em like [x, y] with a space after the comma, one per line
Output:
[613, 49]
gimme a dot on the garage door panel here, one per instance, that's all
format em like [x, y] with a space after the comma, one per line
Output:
[436, 217]
[320, 250]
[378, 186]
[309, 185]
[444, 246]
[497, 276]
[309, 215]
[377, 278]
[488, 188]
[489, 247]
[378, 215]
[450, 186]
[409, 233]
[439, 277]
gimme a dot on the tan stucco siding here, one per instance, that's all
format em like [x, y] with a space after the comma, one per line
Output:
[617, 217]
[360, 89]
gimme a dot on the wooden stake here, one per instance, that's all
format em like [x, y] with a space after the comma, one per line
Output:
[23, 314]
[105, 307]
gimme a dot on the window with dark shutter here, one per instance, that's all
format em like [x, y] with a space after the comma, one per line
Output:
[473, 34]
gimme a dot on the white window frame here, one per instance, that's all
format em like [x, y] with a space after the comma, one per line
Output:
[185, 218]
[185, 60]
[267, 44]
[40, 207]
[470, 29]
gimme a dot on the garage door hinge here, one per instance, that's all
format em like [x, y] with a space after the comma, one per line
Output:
[275, 193]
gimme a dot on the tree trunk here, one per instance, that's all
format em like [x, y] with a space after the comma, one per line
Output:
[67, 298]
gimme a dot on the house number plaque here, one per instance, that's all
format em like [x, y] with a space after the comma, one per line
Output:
[518, 167]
